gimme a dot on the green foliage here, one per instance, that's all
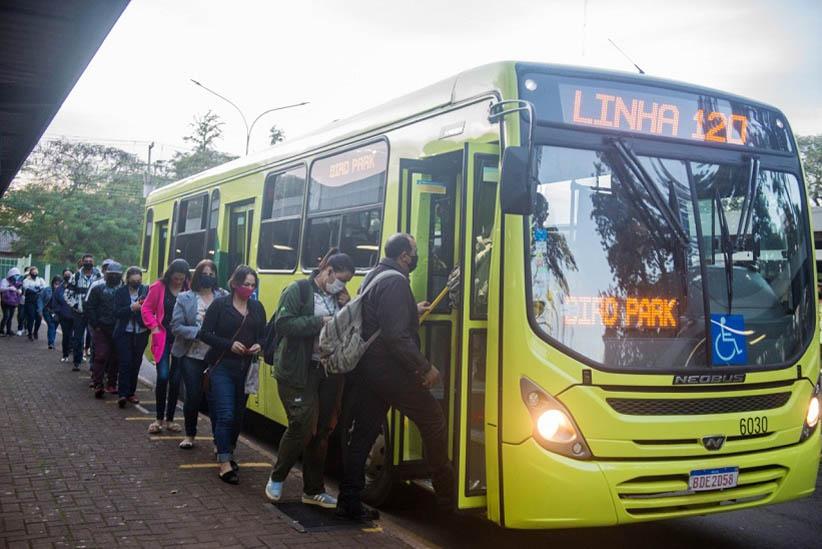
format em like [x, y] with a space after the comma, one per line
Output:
[77, 198]
[205, 131]
[810, 150]
[275, 135]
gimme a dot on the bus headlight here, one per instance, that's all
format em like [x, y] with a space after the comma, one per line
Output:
[554, 428]
[812, 414]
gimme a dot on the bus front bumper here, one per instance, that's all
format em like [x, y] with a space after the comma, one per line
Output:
[547, 490]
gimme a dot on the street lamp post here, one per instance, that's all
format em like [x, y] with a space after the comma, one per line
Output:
[248, 129]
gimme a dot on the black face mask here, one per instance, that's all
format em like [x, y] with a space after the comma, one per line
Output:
[87, 266]
[208, 281]
[67, 278]
[413, 264]
[33, 275]
[134, 284]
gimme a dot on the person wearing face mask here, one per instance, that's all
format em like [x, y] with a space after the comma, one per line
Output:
[49, 309]
[393, 373]
[75, 296]
[64, 315]
[130, 334]
[233, 328]
[186, 320]
[11, 295]
[157, 311]
[33, 286]
[101, 316]
[310, 397]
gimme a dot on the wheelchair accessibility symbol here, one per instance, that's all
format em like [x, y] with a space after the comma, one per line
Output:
[730, 342]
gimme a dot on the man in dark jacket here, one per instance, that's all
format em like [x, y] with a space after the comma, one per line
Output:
[394, 373]
[100, 312]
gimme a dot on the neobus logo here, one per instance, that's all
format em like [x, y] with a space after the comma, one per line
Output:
[708, 378]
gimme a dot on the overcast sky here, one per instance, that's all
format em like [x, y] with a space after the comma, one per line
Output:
[346, 56]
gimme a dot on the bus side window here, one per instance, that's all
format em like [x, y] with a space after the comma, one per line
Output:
[282, 213]
[345, 205]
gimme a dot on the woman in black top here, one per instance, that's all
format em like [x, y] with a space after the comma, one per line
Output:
[234, 328]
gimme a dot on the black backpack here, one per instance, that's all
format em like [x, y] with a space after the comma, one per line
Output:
[271, 341]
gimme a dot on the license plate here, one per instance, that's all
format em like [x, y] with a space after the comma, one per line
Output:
[703, 480]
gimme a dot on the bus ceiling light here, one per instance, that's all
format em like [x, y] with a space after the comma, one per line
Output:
[812, 414]
[553, 427]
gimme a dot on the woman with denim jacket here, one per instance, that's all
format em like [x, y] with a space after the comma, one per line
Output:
[186, 321]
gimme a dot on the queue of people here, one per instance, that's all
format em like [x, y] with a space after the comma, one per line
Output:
[208, 339]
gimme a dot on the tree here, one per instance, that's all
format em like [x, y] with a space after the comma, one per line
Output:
[205, 131]
[810, 150]
[276, 135]
[77, 198]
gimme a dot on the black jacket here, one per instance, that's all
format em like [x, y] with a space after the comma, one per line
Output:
[99, 307]
[222, 321]
[122, 308]
[391, 307]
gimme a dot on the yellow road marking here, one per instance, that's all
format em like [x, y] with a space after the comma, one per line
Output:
[213, 465]
[375, 530]
[141, 402]
[139, 418]
[170, 437]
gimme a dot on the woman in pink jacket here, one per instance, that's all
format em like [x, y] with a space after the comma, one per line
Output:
[156, 312]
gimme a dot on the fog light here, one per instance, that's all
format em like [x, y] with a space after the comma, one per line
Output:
[813, 412]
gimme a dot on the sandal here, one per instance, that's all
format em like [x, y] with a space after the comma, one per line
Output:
[186, 444]
[172, 427]
[230, 477]
[155, 428]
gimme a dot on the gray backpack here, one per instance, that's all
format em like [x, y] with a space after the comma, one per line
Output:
[341, 343]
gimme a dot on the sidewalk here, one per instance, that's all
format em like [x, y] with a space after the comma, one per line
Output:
[80, 472]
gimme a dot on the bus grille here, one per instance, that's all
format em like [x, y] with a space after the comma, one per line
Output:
[697, 406]
[657, 495]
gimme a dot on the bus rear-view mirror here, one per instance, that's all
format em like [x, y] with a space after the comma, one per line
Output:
[515, 184]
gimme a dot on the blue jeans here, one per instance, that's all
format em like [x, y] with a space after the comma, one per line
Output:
[226, 404]
[52, 328]
[78, 338]
[169, 375]
[130, 348]
[193, 380]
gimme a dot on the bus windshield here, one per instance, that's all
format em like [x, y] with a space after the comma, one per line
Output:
[640, 262]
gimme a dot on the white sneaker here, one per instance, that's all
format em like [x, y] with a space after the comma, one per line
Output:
[64, 359]
[323, 500]
[273, 490]
[19, 332]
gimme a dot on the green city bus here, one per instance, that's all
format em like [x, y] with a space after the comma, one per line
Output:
[634, 334]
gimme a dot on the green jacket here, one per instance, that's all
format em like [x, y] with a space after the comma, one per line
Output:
[296, 327]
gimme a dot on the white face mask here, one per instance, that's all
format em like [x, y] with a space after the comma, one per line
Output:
[335, 287]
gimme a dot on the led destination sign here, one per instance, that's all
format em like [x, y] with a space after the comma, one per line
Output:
[615, 312]
[654, 112]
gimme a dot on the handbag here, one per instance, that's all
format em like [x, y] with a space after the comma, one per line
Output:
[206, 377]
[252, 377]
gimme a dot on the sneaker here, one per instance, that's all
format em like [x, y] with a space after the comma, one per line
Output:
[19, 332]
[31, 338]
[51, 347]
[112, 390]
[274, 490]
[121, 402]
[98, 392]
[323, 500]
[64, 359]
[133, 399]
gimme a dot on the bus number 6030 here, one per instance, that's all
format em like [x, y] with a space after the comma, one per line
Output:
[753, 425]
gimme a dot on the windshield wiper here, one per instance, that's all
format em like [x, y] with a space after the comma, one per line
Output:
[727, 248]
[630, 161]
[746, 214]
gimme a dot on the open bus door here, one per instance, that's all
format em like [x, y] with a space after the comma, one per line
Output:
[447, 204]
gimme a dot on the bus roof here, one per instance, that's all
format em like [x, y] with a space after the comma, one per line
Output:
[465, 85]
